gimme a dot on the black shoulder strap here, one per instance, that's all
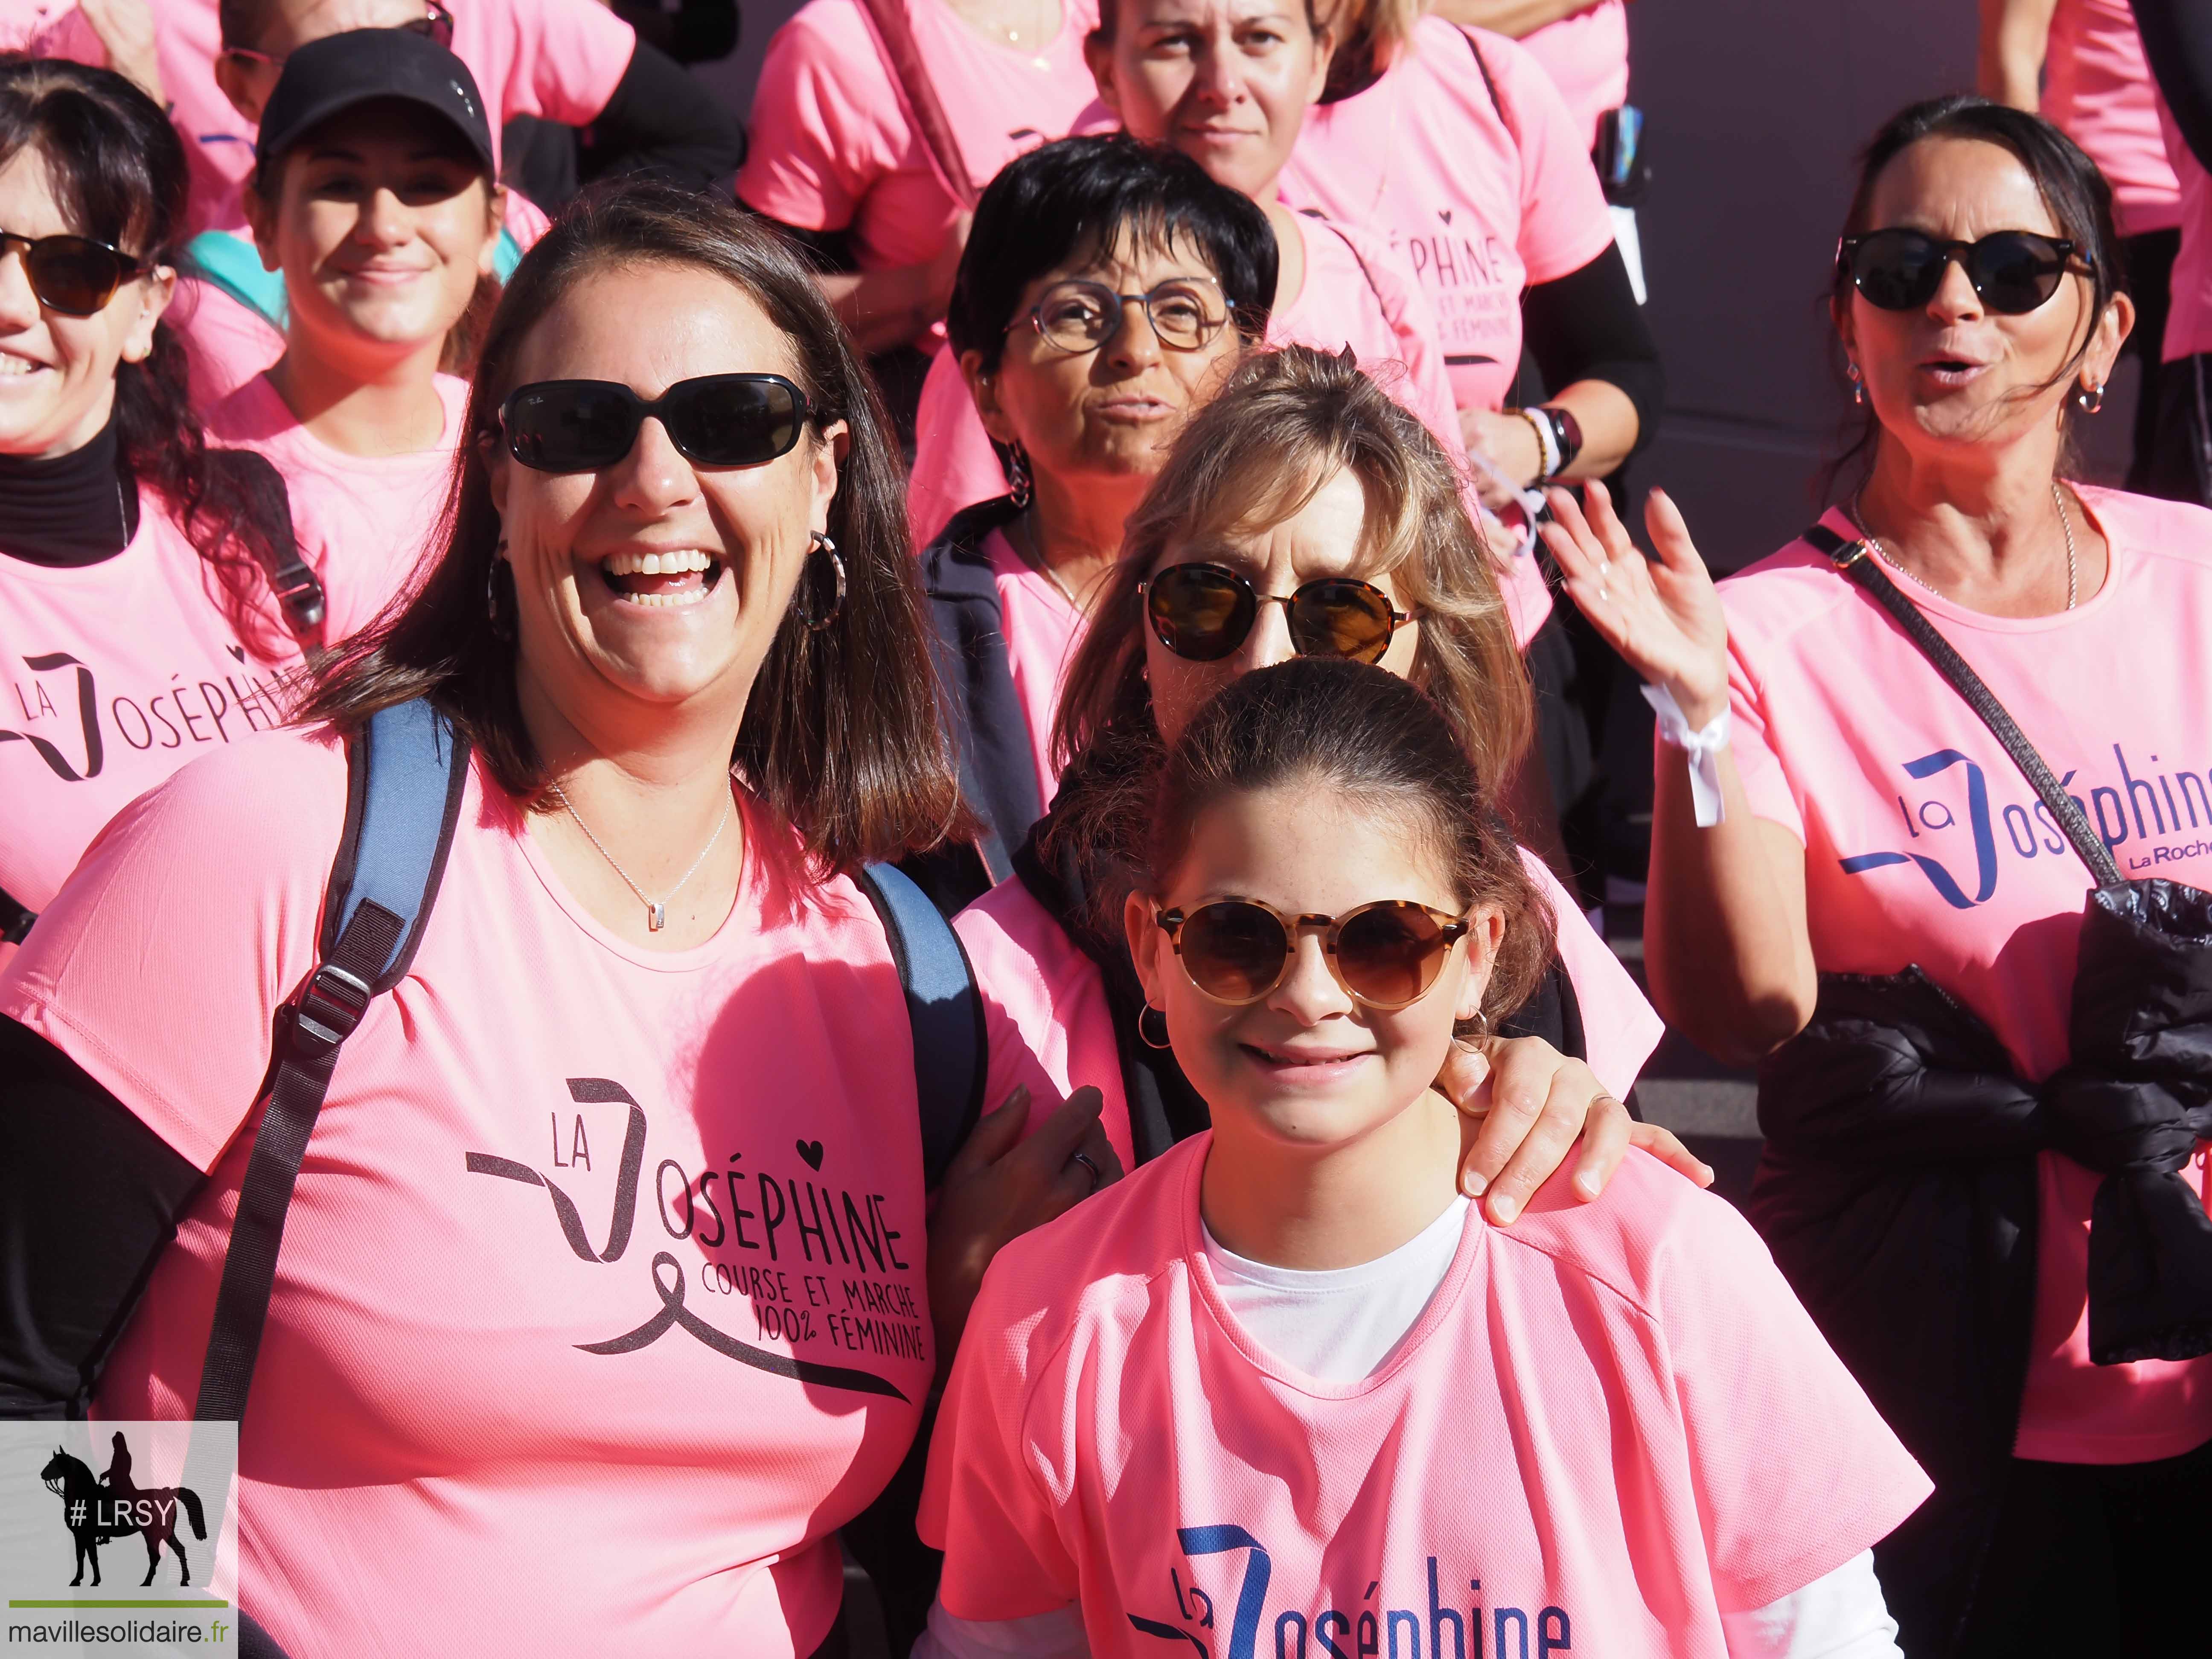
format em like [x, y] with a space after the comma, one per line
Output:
[1851, 559]
[944, 1010]
[299, 591]
[16, 919]
[405, 773]
[1488, 80]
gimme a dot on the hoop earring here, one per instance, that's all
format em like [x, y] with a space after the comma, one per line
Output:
[814, 625]
[1858, 386]
[501, 615]
[1145, 1036]
[2091, 399]
[1021, 486]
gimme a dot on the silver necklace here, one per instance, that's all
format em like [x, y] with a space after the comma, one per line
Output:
[656, 911]
[2065, 523]
[1038, 559]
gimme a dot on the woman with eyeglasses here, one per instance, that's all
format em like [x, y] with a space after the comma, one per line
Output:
[1983, 1125]
[1284, 1383]
[375, 198]
[139, 622]
[602, 1302]
[570, 61]
[1302, 513]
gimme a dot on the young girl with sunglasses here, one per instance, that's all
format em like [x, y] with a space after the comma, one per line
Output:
[138, 624]
[1855, 886]
[1284, 1390]
[375, 198]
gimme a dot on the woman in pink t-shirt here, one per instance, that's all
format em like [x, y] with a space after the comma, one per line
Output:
[611, 1382]
[1300, 479]
[1854, 882]
[138, 627]
[375, 197]
[1301, 1388]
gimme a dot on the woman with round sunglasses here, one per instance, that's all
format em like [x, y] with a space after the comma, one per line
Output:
[602, 1301]
[1111, 290]
[137, 618]
[1854, 884]
[376, 200]
[1282, 1362]
[1303, 483]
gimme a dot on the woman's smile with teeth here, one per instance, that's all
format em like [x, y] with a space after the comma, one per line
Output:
[682, 575]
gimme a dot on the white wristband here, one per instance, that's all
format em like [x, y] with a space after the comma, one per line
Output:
[1703, 747]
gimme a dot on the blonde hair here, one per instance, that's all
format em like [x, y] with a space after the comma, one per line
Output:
[1285, 424]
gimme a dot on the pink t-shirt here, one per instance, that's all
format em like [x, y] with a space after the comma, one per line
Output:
[1612, 1424]
[1479, 200]
[374, 517]
[2097, 90]
[1049, 1025]
[638, 1362]
[227, 341]
[1042, 630]
[112, 676]
[1924, 844]
[2189, 323]
[834, 147]
[1586, 55]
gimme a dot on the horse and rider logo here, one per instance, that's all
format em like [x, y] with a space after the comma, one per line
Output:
[97, 1511]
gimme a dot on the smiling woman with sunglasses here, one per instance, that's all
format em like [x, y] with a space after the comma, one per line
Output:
[138, 627]
[1288, 1359]
[1856, 883]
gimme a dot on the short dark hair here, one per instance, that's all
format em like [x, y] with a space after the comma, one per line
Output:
[2073, 189]
[120, 177]
[1363, 732]
[1077, 193]
[841, 737]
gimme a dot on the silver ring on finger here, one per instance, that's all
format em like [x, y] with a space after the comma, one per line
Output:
[1097, 1176]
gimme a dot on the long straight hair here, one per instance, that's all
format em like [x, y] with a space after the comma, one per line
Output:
[841, 736]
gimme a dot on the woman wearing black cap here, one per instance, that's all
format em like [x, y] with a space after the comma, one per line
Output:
[374, 197]
[138, 627]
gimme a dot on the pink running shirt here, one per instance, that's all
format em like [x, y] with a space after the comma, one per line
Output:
[834, 147]
[112, 676]
[1048, 1026]
[2189, 323]
[1481, 196]
[1574, 1448]
[1924, 844]
[1586, 55]
[645, 1354]
[1041, 629]
[2097, 90]
[374, 517]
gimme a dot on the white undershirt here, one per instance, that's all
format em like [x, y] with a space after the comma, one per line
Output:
[1341, 1324]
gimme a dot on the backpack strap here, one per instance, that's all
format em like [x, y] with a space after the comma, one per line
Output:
[405, 773]
[231, 264]
[944, 1009]
[940, 140]
[299, 591]
[16, 919]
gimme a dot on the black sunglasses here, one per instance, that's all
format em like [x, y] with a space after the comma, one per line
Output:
[1203, 612]
[436, 25]
[714, 419]
[73, 275]
[2014, 272]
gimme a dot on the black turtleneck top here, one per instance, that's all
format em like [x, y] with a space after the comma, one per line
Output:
[73, 509]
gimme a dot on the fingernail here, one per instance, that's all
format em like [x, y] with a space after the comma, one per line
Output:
[1502, 1209]
[1588, 1186]
[1473, 1184]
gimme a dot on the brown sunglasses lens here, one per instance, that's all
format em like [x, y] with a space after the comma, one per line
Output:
[1340, 618]
[1233, 951]
[72, 275]
[1389, 954]
[1199, 612]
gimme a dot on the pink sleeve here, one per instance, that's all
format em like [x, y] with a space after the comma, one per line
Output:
[822, 119]
[1564, 223]
[1753, 1374]
[954, 464]
[1620, 1028]
[69, 35]
[984, 1501]
[164, 988]
[569, 56]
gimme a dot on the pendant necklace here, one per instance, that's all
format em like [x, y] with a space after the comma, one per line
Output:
[656, 911]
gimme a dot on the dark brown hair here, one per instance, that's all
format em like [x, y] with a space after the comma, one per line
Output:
[118, 175]
[841, 734]
[1322, 723]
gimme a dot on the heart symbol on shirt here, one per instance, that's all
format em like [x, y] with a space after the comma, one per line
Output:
[811, 1152]
[237, 651]
[1445, 213]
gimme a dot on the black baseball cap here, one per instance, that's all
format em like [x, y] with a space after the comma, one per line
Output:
[330, 76]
